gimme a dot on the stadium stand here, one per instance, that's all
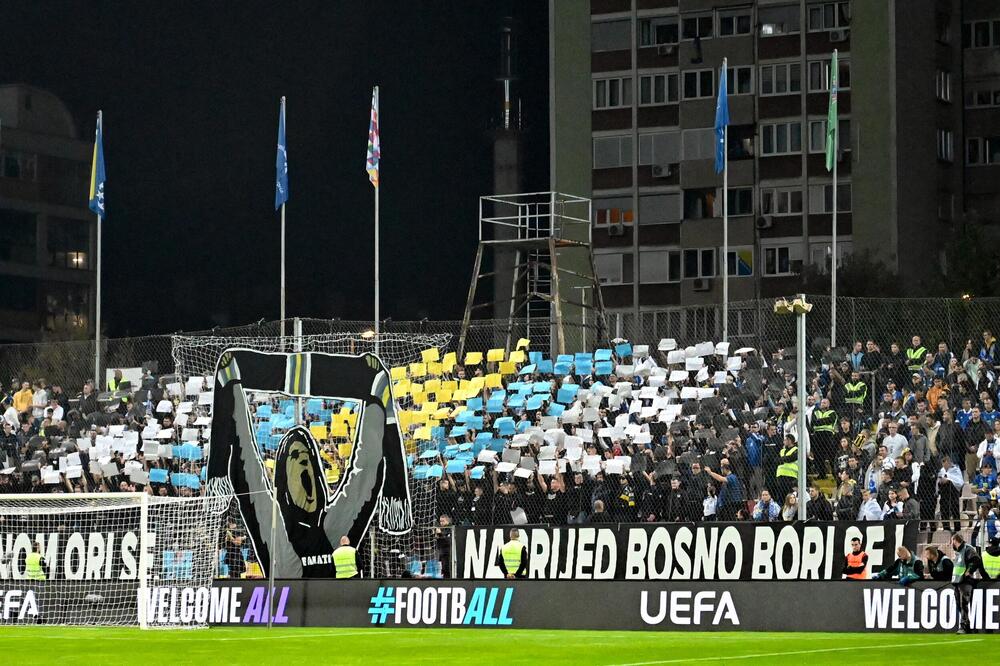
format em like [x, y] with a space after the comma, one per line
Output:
[624, 433]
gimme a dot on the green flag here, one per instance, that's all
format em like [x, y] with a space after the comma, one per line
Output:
[832, 126]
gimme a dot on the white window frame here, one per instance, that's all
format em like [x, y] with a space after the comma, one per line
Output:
[779, 34]
[701, 264]
[654, 21]
[698, 74]
[843, 146]
[623, 83]
[733, 249]
[819, 195]
[621, 268]
[650, 137]
[707, 134]
[674, 254]
[732, 72]
[774, 67]
[791, 252]
[945, 145]
[842, 64]
[603, 220]
[778, 193]
[845, 247]
[982, 142]
[837, 25]
[784, 126]
[735, 14]
[992, 91]
[666, 76]
[942, 85]
[621, 138]
[992, 37]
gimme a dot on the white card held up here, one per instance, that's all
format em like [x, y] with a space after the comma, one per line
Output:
[181, 420]
[625, 370]
[744, 350]
[585, 434]
[640, 351]
[547, 453]
[690, 351]
[702, 375]
[647, 412]
[570, 417]
[689, 393]
[648, 392]
[185, 407]
[131, 438]
[51, 478]
[705, 348]
[74, 472]
[722, 349]
[83, 443]
[694, 363]
[605, 432]
[705, 393]
[679, 375]
[164, 407]
[206, 398]
[614, 466]
[573, 453]
[573, 441]
[174, 388]
[165, 450]
[719, 377]
[167, 433]
[522, 473]
[667, 344]
[657, 381]
[109, 469]
[676, 357]
[203, 421]
[546, 467]
[116, 430]
[488, 456]
[633, 429]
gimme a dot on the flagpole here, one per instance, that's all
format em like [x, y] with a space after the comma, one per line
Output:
[833, 261]
[281, 315]
[725, 221]
[98, 384]
[377, 186]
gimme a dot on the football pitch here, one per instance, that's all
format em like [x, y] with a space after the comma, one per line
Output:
[78, 645]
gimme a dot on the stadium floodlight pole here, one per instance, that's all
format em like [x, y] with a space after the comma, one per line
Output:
[799, 307]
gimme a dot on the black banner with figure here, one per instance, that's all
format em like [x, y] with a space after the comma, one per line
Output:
[685, 551]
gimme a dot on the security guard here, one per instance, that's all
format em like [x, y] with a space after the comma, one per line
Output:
[824, 422]
[115, 381]
[787, 474]
[915, 355]
[345, 560]
[856, 392]
[856, 567]
[513, 557]
[967, 563]
[991, 558]
[34, 564]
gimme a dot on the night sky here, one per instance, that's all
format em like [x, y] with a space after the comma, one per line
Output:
[190, 98]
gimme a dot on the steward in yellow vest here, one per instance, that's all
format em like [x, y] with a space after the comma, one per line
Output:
[345, 560]
[513, 557]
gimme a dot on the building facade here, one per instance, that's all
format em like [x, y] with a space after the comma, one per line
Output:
[653, 74]
[47, 233]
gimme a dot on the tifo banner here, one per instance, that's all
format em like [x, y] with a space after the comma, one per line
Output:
[683, 551]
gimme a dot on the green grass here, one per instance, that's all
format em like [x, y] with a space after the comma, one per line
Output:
[303, 647]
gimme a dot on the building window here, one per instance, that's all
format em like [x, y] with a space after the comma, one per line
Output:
[739, 80]
[611, 36]
[819, 75]
[612, 151]
[68, 242]
[829, 16]
[819, 254]
[739, 142]
[19, 166]
[659, 148]
[612, 210]
[699, 144]
[984, 95]
[781, 138]
[699, 203]
[609, 267]
[740, 261]
[817, 135]
[778, 260]
[660, 208]
[942, 27]
[659, 266]
[980, 34]
[821, 198]
[697, 27]
[656, 31]
[18, 238]
[942, 85]
[774, 21]
[657, 89]
[781, 79]
[612, 93]
[945, 145]
[980, 150]
[699, 83]
[740, 201]
[781, 201]
[699, 263]
[734, 22]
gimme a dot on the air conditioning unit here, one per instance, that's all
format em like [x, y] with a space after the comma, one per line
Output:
[616, 229]
[664, 170]
[702, 284]
[666, 49]
[765, 222]
[841, 35]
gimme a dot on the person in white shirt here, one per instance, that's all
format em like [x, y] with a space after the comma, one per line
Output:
[987, 446]
[57, 411]
[39, 401]
[950, 484]
[869, 510]
[894, 442]
[892, 508]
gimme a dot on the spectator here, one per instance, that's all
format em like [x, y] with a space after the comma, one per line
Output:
[950, 484]
[787, 472]
[599, 515]
[985, 451]
[869, 510]
[906, 569]
[989, 352]
[910, 508]
[984, 483]
[710, 505]
[894, 442]
[766, 509]
[918, 444]
[818, 506]
[824, 425]
[730, 491]
[857, 355]
[848, 503]
[892, 508]
[939, 566]
[790, 509]
[22, 399]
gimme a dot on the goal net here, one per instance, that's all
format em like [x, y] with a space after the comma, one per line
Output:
[124, 559]
[333, 422]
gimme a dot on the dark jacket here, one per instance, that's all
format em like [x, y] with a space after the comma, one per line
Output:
[819, 508]
[940, 570]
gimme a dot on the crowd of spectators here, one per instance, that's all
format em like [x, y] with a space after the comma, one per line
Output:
[623, 434]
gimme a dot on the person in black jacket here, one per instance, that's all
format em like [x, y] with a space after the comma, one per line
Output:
[939, 566]
[819, 507]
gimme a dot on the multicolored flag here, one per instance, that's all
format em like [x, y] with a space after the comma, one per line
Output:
[721, 121]
[832, 123]
[374, 152]
[281, 164]
[97, 171]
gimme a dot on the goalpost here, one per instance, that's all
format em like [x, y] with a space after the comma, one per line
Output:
[125, 559]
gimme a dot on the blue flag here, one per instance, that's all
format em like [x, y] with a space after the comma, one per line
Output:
[97, 171]
[721, 122]
[281, 184]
